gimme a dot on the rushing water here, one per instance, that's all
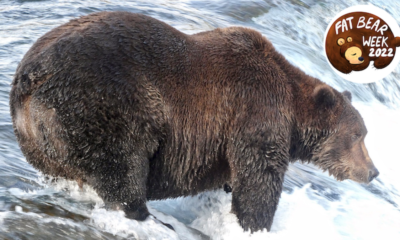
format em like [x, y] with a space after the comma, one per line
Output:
[313, 205]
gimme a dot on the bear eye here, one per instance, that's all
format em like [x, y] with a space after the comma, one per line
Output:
[355, 137]
[353, 54]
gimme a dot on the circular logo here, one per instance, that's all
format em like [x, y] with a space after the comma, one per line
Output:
[361, 42]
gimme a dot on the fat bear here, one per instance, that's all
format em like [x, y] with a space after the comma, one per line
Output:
[141, 111]
[360, 34]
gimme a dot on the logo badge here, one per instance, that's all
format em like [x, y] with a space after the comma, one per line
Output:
[361, 44]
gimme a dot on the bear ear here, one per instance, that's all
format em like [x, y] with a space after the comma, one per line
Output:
[340, 41]
[347, 94]
[349, 39]
[324, 96]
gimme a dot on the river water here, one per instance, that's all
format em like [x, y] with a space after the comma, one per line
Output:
[313, 205]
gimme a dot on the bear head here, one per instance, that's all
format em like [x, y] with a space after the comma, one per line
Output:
[352, 52]
[340, 147]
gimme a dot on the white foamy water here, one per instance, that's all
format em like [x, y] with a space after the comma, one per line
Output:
[313, 204]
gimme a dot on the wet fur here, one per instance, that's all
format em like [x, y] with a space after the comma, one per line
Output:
[141, 111]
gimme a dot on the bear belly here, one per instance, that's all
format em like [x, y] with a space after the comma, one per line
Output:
[168, 180]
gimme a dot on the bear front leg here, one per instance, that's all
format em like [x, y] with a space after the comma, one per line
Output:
[257, 185]
[255, 200]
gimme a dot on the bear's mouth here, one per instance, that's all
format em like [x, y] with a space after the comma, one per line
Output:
[338, 170]
[356, 61]
[340, 175]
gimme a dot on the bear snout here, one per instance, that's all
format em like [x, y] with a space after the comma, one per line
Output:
[360, 59]
[364, 174]
[362, 169]
[373, 173]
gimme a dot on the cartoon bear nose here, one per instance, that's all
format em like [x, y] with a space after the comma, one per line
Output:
[361, 59]
[373, 173]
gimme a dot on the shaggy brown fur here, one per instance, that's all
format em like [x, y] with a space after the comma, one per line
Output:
[141, 111]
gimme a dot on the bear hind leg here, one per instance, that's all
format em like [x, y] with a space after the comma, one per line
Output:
[43, 141]
[127, 191]
[122, 184]
[382, 62]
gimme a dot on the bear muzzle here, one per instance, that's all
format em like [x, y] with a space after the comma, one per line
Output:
[363, 169]
[372, 174]
[364, 175]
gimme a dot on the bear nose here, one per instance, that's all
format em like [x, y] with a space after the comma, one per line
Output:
[361, 59]
[373, 173]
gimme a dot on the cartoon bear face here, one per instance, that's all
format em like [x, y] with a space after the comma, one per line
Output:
[350, 51]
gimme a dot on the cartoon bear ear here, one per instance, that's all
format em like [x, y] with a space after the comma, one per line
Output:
[349, 39]
[347, 94]
[340, 41]
[324, 96]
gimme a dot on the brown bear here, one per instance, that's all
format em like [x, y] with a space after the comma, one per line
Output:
[141, 111]
[364, 37]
